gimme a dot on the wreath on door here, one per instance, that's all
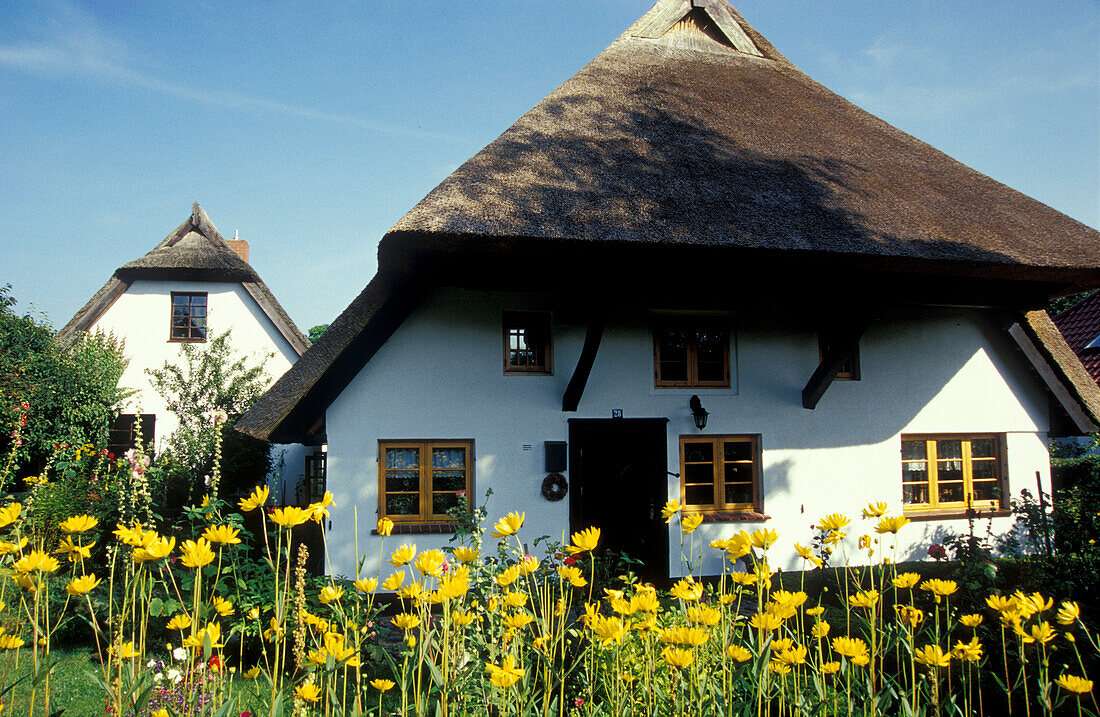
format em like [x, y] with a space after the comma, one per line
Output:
[554, 487]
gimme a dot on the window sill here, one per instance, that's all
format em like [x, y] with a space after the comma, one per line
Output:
[420, 529]
[739, 517]
[954, 514]
[187, 341]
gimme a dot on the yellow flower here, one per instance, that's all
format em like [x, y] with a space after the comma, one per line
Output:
[179, 622]
[308, 692]
[465, 555]
[366, 586]
[252, 674]
[156, 548]
[1001, 603]
[462, 619]
[507, 576]
[610, 629]
[969, 651]
[932, 655]
[456, 584]
[829, 668]
[412, 591]
[1072, 683]
[765, 621]
[125, 651]
[507, 674]
[290, 516]
[11, 642]
[645, 601]
[75, 551]
[1033, 603]
[382, 685]
[909, 615]
[850, 647]
[36, 560]
[971, 620]
[222, 534]
[890, 524]
[222, 606]
[402, 555]
[671, 508]
[677, 657]
[78, 524]
[865, 599]
[572, 574]
[939, 588]
[515, 599]
[815, 611]
[687, 590]
[1042, 632]
[385, 526]
[8, 546]
[212, 631]
[430, 562]
[83, 584]
[764, 538]
[196, 554]
[738, 653]
[1068, 613]
[807, 555]
[518, 620]
[319, 510]
[254, 501]
[833, 522]
[704, 615]
[406, 621]
[584, 541]
[688, 523]
[793, 656]
[820, 629]
[875, 510]
[393, 581]
[9, 514]
[253, 614]
[509, 525]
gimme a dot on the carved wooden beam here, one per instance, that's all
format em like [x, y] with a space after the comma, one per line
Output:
[845, 342]
[575, 389]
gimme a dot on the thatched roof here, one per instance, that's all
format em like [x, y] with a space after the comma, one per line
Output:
[1080, 325]
[692, 135]
[195, 251]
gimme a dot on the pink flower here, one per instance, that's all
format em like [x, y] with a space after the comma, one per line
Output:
[25, 406]
[937, 551]
[460, 493]
[578, 702]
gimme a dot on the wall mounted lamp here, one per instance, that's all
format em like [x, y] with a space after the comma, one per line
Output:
[698, 412]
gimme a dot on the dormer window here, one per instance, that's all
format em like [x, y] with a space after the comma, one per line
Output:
[691, 355]
[188, 316]
[527, 342]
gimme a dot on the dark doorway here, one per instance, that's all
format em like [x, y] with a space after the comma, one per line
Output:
[619, 475]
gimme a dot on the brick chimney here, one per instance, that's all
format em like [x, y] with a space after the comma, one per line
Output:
[240, 246]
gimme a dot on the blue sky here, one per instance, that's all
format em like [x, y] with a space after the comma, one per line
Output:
[311, 128]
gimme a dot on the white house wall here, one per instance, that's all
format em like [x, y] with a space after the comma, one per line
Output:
[923, 371]
[141, 318]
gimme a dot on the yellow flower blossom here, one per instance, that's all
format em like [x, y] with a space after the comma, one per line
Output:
[932, 656]
[671, 508]
[820, 629]
[909, 615]
[83, 584]
[78, 524]
[402, 555]
[125, 651]
[765, 621]
[584, 541]
[833, 522]
[196, 553]
[677, 657]
[507, 576]
[36, 560]
[222, 606]
[891, 524]
[181, 621]
[385, 527]
[222, 534]
[875, 510]
[738, 653]
[968, 651]
[406, 621]
[466, 555]
[430, 562]
[156, 548]
[505, 675]
[1072, 683]
[971, 620]
[829, 668]
[764, 538]
[11, 642]
[509, 525]
[254, 501]
[572, 575]
[704, 615]
[290, 516]
[518, 620]
[939, 588]
[75, 551]
[308, 691]
[9, 514]
[850, 647]
[688, 523]
[382, 685]
[366, 585]
[610, 629]
[1069, 613]
[687, 590]
[319, 510]
[864, 598]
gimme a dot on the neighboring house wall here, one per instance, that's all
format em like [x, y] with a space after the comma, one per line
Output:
[439, 376]
[141, 317]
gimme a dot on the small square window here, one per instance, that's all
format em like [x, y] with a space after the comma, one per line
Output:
[527, 345]
[691, 356]
[188, 321]
[419, 481]
[720, 473]
[951, 472]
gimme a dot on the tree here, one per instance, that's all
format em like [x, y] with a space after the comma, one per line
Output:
[210, 378]
[316, 331]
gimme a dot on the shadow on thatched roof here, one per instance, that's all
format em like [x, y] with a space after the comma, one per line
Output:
[691, 136]
[195, 251]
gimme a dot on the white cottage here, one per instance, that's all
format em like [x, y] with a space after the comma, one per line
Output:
[192, 286]
[691, 272]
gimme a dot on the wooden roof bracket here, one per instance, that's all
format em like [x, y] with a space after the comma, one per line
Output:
[592, 337]
[846, 342]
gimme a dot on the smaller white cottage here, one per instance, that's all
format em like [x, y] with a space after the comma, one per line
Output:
[191, 287]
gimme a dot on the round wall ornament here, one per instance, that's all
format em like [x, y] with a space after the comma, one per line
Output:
[554, 486]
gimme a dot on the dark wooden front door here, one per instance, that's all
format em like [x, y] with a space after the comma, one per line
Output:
[619, 484]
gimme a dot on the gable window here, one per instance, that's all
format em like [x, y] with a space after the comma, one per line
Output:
[720, 473]
[691, 356]
[849, 371]
[188, 316]
[419, 481]
[527, 342]
[123, 434]
[951, 472]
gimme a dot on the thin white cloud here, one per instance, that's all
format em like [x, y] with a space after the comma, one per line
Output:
[79, 49]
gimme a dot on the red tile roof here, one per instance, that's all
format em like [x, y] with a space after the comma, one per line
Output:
[1080, 324]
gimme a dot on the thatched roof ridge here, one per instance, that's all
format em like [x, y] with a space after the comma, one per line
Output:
[194, 251]
[681, 135]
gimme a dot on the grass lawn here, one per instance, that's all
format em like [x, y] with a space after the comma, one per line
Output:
[72, 689]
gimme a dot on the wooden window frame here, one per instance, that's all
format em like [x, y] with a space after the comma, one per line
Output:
[850, 370]
[934, 505]
[528, 321]
[424, 486]
[720, 505]
[172, 337]
[692, 381]
[316, 476]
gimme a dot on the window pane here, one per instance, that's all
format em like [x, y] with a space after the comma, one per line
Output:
[738, 493]
[949, 448]
[402, 481]
[402, 504]
[948, 471]
[739, 473]
[674, 371]
[442, 502]
[673, 344]
[981, 448]
[915, 493]
[449, 480]
[737, 450]
[951, 492]
[914, 450]
[986, 490]
[699, 473]
[449, 458]
[407, 458]
[699, 494]
[710, 346]
[914, 472]
[699, 452]
[984, 469]
[710, 371]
